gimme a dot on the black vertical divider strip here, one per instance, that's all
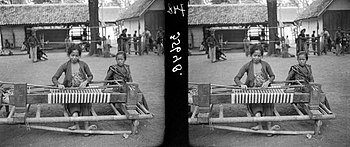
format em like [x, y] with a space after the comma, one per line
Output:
[176, 73]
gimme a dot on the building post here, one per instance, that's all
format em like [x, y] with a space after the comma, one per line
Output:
[94, 26]
[272, 24]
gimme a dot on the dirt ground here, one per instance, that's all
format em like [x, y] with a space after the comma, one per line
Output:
[147, 71]
[329, 70]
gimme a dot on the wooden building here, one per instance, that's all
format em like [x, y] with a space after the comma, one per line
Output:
[51, 22]
[330, 14]
[143, 14]
[230, 21]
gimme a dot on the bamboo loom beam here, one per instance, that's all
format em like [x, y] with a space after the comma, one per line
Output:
[11, 112]
[326, 109]
[73, 119]
[276, 112]
[262, 131]
[93, 112]
[114, 109]
[195, 111]
[297, 109]
[100, 132]
[143, 108]
[259, 119]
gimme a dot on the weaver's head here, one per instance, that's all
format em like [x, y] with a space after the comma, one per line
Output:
[120, 57]
[256, 53]
[302, 57]
[74, 53]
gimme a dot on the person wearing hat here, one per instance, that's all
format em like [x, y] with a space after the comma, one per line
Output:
[33, 44]
[123, 40]
[212, 42]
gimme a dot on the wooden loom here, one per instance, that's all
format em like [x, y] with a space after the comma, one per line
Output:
[307, 105]
[128, 106]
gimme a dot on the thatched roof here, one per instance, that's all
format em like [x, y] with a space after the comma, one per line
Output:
[44, 14]
[138, 8]
[226, 14]
[315, 9]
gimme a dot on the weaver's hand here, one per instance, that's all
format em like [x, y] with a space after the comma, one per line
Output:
[83, 84]
[265, 84]
[60, 86]
[244, 86]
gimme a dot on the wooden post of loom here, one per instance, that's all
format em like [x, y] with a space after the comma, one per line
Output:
[131, 105]
[203, 103]
[20, 101]
[314, 105]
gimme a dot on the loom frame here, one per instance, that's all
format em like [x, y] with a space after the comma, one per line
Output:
[310, 103]
[128, 107]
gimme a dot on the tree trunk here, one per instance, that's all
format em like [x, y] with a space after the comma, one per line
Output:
[93, 11]
[272, 24]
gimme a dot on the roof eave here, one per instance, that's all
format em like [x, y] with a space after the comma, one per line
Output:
[142, 12]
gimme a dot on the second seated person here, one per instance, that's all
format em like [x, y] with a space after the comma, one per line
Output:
[121, 73]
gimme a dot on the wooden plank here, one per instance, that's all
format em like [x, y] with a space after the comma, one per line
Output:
[133, 112]
[115, 109]
[129, 114]
[297, 109]
[204, 95]
[38, 111]
[131, 99]
[315, 96]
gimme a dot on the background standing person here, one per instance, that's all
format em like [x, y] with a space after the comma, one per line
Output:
[67, 42]
[107, 47]
[7, 44]
[246, 46]
[327, 41]
[343, 43]
[337, 38]
[160, 41]
[99, 44]
[313, 40]
[212, 42]
[301, 41]
[147, 36]
[135, 42]
[123, 40]
[128, 44]
[33, 44]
